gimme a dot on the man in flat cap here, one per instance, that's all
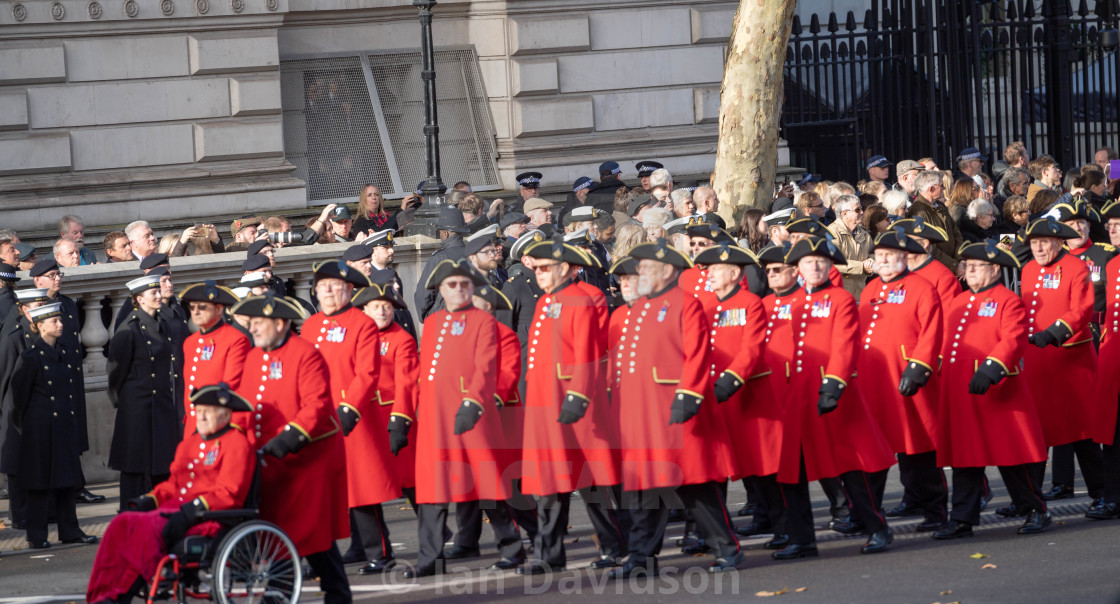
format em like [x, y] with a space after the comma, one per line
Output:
[988, 415]
[451, 229]
[675, 449]
[902, 327]
[1058, 292]
[216, 352]
[458, 433]
[570, 438]
[295, 422]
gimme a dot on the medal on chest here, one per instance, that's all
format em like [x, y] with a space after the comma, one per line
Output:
[1094, 270]
[276, 370]
[552, 311]
[336, 334]
[664, 311]
[896, 296]
[822, 309]
[735, 317]
[212, 455]
[706, 281]
[458, 327]
[384, 348]
[1052, 280]
[207, 351]
[785, 312]
[987, 308]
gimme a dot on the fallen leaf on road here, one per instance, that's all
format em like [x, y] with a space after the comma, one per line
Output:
[946, 592]
[978, 555]
[769, 594]
[801, 589]
[987, 566]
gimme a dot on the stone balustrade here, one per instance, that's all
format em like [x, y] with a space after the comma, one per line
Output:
[104, 284]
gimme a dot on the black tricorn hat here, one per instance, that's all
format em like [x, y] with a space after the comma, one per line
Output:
[494, 296]
[377, 292]
[726, 253]
[556, 249]
[809, 225]
[451, 268]
[1047, 226]
[918, 227]
[208, 291]
[988, 251]
[897, 239]
[773, 253]
[220, 395]
[814, 246]
[1111, 210]
[624, 266]
[660, 251]
[1074, 209]
[338, 269]
[271, 306]
[709, 230]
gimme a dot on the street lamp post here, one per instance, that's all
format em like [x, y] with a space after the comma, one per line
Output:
[433, 188]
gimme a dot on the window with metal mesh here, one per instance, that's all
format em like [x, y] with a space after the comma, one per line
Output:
[357, 119]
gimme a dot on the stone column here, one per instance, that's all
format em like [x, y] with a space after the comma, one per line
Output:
[94, 335]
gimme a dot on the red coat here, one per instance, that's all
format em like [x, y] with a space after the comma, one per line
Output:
[779, 342]
[304, 493]
[348, 341]
[753, 415]
[944, 281]
[1108, 361]
[512, 412]
[695, 281]
[458, 361]
[1061, 293]
[397, 381]
[900, 323]
[567, 355]
[824, 333]
[212, 357]
[1000, 427]
[616, 340]
[218, 470]
[673, 357]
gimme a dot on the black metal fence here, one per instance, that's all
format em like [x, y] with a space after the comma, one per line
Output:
[927, 78]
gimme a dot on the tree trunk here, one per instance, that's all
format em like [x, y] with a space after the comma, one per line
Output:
[751, 105]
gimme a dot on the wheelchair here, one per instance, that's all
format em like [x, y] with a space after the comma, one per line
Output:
[248, 560]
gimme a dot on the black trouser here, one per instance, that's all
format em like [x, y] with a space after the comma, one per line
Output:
[433, 526]
[523, 510]
[468, 518]
[332, 575]
[552, 515]
[924, 481]
[768, 505]
[369, 533]
[135, 484]
[17, 499]
[649, 513]
[1022, 482]
[858, 490]
[838, 504]
[39, 505]
[1088, 457]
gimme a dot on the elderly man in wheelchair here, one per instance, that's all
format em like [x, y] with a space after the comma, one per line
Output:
[190, 523]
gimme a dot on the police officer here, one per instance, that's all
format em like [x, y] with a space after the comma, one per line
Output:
[530, 186]
[601, 195]
[645, 169]
[141, 370]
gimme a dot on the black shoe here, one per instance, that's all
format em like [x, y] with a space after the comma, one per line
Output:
[929, 525]
[846, 526]
[904, 509]
[794, 551]
[648, 567]
[379, 566]
[954, 529]
[605, 562]
[86, 539]
[878, 541]
[456, 552]
[722, 565]
[4, 494]
[1036, 523]
[778, 542]
[507, 564]
[537, 567]
[1104, 511]
[755, 528]
[84, 496]
[746, 510]
[676, 516]
[38, 544]
[354, 556]
[687, 540]
[697, 548]
[422, 571]
[1058, 491]
[1010, 511]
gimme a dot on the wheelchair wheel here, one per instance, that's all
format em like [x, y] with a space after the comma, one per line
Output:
[256, 562]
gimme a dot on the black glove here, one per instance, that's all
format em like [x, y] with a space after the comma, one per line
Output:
[193, 511]
[685, 407]
[288, 441]
[573, 409]
[830, 392]
[726, 386]
[467, 417]
[1042, 339]
[987, 375]
[142, 503]
[176, 528]
[398, 433]
[913, 377]
[348, 419]
[1055, 335]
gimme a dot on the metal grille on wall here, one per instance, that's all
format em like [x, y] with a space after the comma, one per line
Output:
[359, 118]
